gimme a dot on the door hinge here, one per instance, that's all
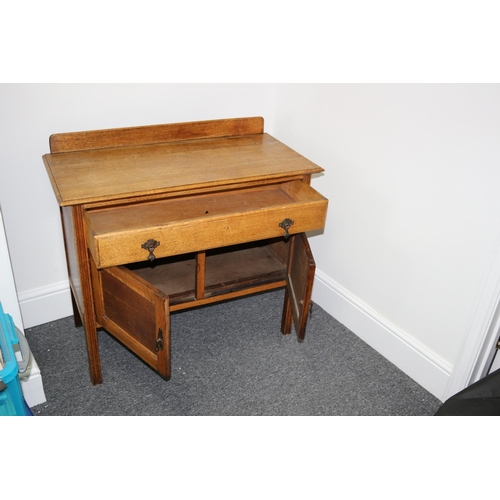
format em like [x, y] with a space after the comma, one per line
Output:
[159, 341]
[497, 347]
[311, 309]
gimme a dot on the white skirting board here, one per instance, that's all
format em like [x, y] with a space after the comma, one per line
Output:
[32, 386]
[45, 304]
[397, 346]
[40, 306]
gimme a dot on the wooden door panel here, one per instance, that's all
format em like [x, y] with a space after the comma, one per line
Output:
[300, 277]
[136, 313]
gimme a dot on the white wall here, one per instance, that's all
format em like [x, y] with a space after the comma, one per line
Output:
[8, 292]
[412, 175]
[30, 113]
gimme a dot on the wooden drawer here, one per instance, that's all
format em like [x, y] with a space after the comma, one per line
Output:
[119, 234]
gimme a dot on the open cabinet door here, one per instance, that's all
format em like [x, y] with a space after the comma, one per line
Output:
[299, 282]
[136, 313]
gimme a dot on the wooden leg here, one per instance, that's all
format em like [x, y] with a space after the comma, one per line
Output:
[88, 318]
[287, 317]
[93, 355]
[81, 284]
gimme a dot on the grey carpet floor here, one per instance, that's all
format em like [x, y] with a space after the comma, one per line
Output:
[228, 359]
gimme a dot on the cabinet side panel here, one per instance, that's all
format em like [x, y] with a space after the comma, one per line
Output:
[72, 259]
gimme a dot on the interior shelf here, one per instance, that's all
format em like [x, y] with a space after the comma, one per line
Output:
[202, 275]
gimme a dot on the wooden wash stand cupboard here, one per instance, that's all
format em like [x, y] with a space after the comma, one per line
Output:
[167, 217]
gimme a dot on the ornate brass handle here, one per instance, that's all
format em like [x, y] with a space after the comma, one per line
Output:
[150, 245]
[285, 224]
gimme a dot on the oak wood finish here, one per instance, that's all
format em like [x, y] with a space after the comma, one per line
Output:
[300, 276]
[211, 194]
[115, 235]
[201, 260]
[116, 173]
[135, 312]
[156, 134]
[84, 296]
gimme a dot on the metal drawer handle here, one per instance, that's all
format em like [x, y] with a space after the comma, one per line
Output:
[285, 224]
[150, 245]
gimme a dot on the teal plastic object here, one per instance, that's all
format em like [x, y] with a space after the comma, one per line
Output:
[11, 396]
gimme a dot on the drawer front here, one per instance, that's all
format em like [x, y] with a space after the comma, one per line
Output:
[135, 233]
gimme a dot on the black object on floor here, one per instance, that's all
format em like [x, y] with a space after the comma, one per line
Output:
[479, 399]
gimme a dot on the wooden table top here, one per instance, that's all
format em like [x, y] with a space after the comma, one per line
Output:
[112, 173]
